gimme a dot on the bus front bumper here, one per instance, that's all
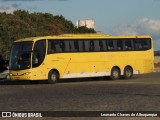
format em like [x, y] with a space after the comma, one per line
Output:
[25, 76]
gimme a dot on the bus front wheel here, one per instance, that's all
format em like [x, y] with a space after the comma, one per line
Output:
[115, 73]
[53, 77]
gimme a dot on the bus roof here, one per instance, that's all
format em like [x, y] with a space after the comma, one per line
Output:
[80, 36]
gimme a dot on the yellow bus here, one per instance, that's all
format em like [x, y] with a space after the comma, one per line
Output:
[80, 55]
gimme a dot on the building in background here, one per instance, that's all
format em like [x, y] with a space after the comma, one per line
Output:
[87, 23]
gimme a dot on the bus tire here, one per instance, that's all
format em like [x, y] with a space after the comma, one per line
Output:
[128, 73]
[53, 77]
[115, 73]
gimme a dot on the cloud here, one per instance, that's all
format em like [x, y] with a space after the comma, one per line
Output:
[7, 8]
[16, 5]
[140, 27]
[31, 7]
[30, 0]
[18, 0]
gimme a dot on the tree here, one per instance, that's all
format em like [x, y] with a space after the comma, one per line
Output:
[22, 24]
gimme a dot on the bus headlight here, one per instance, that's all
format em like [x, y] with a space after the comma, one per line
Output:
[10, 74]
[26, 73]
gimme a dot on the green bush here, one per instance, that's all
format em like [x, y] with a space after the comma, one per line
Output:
[22, 24]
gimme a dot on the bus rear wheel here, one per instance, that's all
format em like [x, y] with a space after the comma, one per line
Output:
[115, 73]
[128, 72]
[53, 77]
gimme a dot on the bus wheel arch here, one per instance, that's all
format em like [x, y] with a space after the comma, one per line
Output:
[128, 72]
[115, 73]
[53, 76]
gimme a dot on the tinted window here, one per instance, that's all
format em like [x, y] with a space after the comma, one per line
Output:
[39, 53]
[128, 45]
[146, 44]
[103, 45]
[59, 46]
[96, 45]
[81, 45]
[87, 45]
[56, 46]
[91, 45]
[142, 44]
[76, 45]
[111, 45]
[119, 45]
[51, 47]
[20, 57]
[69, 46]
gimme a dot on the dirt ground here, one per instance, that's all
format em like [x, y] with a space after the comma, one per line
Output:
[157, 69]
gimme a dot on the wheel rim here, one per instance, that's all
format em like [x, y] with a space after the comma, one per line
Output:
[128, 73]
[53, 77]
[116, 74]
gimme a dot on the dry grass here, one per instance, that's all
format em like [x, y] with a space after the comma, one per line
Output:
[157, 63]
[157, 59]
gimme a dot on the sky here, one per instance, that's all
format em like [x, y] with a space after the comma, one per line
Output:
[113, 17]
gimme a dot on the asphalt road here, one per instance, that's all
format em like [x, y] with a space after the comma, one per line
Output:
[141, 93]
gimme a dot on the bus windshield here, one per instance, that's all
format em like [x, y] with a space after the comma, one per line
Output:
[20, 57]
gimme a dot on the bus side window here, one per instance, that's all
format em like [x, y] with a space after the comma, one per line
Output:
[67, 47]
[120, 45]
[105, 45]
[58, 47]
[72, 46]
[110, 44]
[81, 46]
[91, 46]
[96, 45]
[87, 45]
[39, 53]
[146, 44]
[128, 45]
[138, 44]
[76, 45]
[51, 47]
[102, 44]
[62, 46]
